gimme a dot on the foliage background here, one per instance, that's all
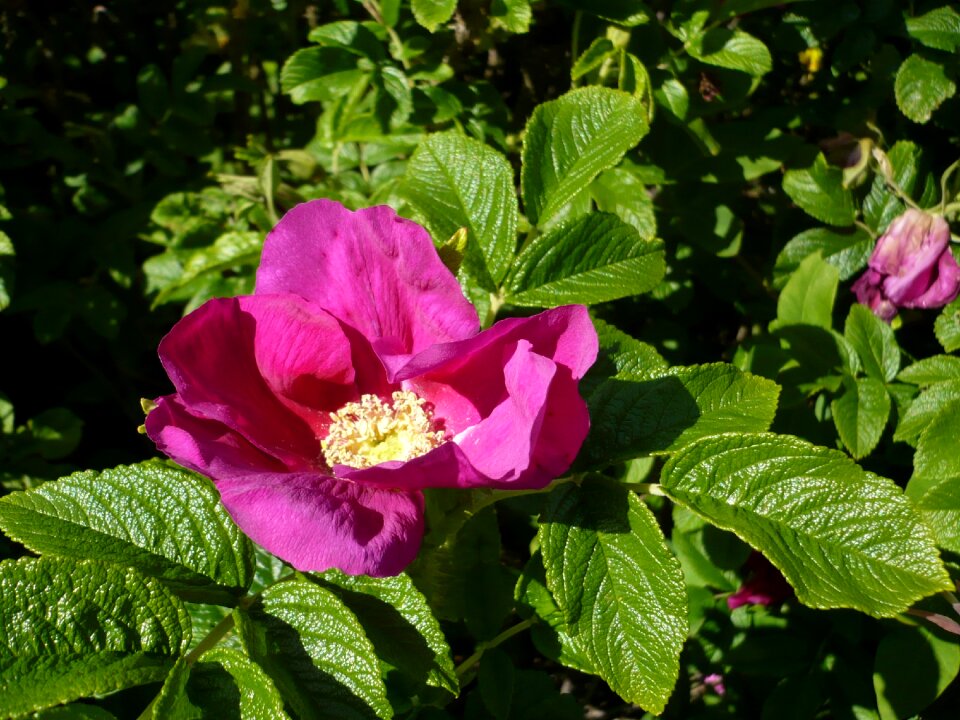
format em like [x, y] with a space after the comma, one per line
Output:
[147, 149]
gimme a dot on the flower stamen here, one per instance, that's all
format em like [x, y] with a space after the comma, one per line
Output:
[374, 431]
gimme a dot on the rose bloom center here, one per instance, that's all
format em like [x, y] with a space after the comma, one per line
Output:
[374, 431]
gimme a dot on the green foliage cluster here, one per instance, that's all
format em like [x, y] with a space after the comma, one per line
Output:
[709, 177]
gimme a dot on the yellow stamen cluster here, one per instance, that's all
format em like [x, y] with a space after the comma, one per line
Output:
[373, 431]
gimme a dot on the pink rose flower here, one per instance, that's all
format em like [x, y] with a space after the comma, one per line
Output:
[355, 376]
[911, 266]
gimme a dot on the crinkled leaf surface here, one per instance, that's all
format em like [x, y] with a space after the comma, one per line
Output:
[938, 29]
[934, 369]
[618, 586]
[841, 536]
[315, 651]
[165, 521]
[73, 629]
[664, 411]
[591, 260]
[571, 140]
[400, 624]
[923, 411]
[454, 182]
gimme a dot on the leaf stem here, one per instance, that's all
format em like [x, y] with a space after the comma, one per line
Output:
[482, 647]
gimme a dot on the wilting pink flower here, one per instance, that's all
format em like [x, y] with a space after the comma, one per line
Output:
[764, 586]
[911, 266]
[354, 377]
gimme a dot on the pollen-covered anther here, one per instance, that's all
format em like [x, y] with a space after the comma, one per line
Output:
[374, 431]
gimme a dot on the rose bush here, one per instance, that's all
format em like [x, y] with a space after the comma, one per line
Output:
[355, 376]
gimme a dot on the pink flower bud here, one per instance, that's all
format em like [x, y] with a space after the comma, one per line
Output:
[911, 266]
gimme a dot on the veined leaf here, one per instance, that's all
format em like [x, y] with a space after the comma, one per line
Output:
[921, 86]
[841, 536]
[400, 624]
[732, 49]
[809, 294]
[666, 410]
[594, 259]
[73, 629]
[619, 588]
[432, 13]
[223, 683]
[938, 29]
[934, 369]
[947, 327]
[846, 251]
[819, 191]
[165, 521]
[319, 73]
[571, 140]
[925, 408]
[315, 651]
[874, 341]
[861, 413]
[454, 182]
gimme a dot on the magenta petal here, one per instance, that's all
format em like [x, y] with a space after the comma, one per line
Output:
[270, 367]
[206, 446]
[316, 523]
[944, 286]
[375, 271]
[446, 466]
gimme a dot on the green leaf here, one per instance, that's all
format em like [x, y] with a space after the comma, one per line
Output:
[551, 636]
[230, 250]
[455, 181]
[400, 624]
[819, 191]
[495, 682]
[860, 414]
[351, 36]
[73, 629]
[432, 13]
[664, 411]
[618, 586]
[621, 192]
[913, 667]
[731, 49]
[938, 29]
[874, 341]
[315, 651]
[635, 80]
[6, 269]
[808, 296]
[622, 355]
[628, 13]
[947, 327]
[882, 204]
[592, 58]
[514, 15]
[319, 73]
[931, 370]
[167, 522]
[937, 455]
[841, 536]
[848, 251]
[921, 86]
[223, 683]
[925, 408]
[571, 140]
[938, 500]
[591, 260]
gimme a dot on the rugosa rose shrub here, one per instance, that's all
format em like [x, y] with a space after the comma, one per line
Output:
[911, 266]
[355, 376]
